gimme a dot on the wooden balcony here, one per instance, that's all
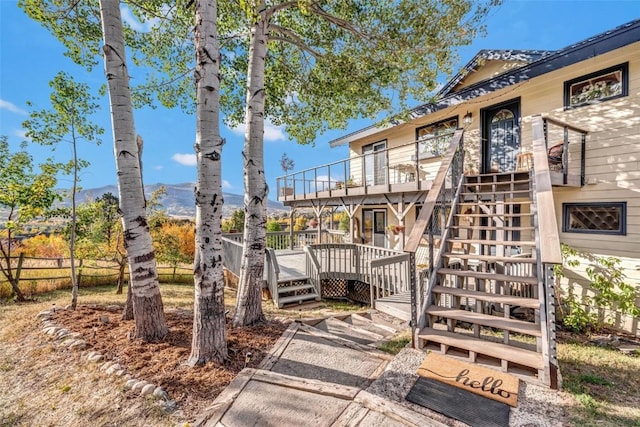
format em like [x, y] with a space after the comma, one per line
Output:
[401, 169]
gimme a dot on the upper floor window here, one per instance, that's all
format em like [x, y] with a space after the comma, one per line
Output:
[599, 86]
[430, 144]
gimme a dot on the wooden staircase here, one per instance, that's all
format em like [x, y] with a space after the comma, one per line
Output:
[295, 290]
[485, 298]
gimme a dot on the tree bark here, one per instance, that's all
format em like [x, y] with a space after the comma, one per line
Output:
[249, 303]
[72, 240]
[209, 328]
[127, 312]
[145, 289]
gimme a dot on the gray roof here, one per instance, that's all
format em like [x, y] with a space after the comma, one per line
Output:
[547, 61]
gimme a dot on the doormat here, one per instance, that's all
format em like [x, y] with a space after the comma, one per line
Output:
[475, 410]
[476, 379]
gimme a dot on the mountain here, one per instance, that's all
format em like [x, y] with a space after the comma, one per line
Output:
[179, 200]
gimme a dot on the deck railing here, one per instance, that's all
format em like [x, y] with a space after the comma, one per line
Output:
[385, 270]
[432, 225]
[405, 165]
[281, 240]
[390, 275]
[565, 147]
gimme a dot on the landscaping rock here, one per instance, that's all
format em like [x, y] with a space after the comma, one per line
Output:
[160, 393]
[104, 319]
[97, 357]
[106, 365]
[147, 390]
[78, 345]
[113, 368]
[137, 387]
[130, 383]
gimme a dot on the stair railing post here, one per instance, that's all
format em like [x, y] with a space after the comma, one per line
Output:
[413, 285]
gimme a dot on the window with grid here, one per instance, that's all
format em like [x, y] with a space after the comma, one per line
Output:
[596, 87]
[598, 218]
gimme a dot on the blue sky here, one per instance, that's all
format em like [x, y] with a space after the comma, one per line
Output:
[30, 58]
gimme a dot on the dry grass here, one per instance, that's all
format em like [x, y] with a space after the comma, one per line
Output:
[45, 385]
[604, 383]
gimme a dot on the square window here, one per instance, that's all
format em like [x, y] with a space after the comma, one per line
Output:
[596, 87]
[597, 218]
[434, 139]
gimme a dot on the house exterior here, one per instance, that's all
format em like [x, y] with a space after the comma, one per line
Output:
[580, 105]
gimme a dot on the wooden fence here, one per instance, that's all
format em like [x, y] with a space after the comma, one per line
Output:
[39, 274]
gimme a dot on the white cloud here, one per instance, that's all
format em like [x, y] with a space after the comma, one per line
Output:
[226, 185]
[134, 23]
[21, 133]
[9, 106]
[272, 132]
[185, 159]
[158, 167]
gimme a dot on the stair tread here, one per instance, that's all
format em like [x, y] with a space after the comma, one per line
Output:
[297, 298]
[484, 296]
[494, 202]
[509, 182]
[489, 348]
[495, 193]
[489, 258]
[494, 242]
[484, 215]
[293, 279]
[512, 325]
[491, 227]
[296, 288]
[490, 276]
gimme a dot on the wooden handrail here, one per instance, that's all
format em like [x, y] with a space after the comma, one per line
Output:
[563, 124]
[422, 222]
[550, 250]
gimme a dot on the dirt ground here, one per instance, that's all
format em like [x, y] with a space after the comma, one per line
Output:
[67, 390]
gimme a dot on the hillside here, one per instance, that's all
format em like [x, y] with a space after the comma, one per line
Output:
[179, 200]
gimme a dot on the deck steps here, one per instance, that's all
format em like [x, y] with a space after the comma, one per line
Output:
[488, 276]
[513, 325]
[398, 305]
[480, 290]
[489, 258]
[496, 350]
[494, 242]
[296, 290]
[485, 296]
[368, 329]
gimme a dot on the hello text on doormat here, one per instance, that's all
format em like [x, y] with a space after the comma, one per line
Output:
[485, 382]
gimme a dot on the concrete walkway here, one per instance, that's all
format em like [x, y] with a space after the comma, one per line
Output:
[313, 378]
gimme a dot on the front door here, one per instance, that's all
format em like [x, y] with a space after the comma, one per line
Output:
[374, 227]
[501, 137]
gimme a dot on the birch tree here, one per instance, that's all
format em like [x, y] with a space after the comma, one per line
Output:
[208, 338]
[328, 62]
[145, 290]
[68, 121]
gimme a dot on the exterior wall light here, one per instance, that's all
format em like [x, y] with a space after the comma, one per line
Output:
[467, 119]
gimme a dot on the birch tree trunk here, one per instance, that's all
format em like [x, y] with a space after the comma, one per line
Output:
[209, 337]
[147, 302]
[249, 303]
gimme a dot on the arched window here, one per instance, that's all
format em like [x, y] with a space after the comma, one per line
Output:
[501, 115]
